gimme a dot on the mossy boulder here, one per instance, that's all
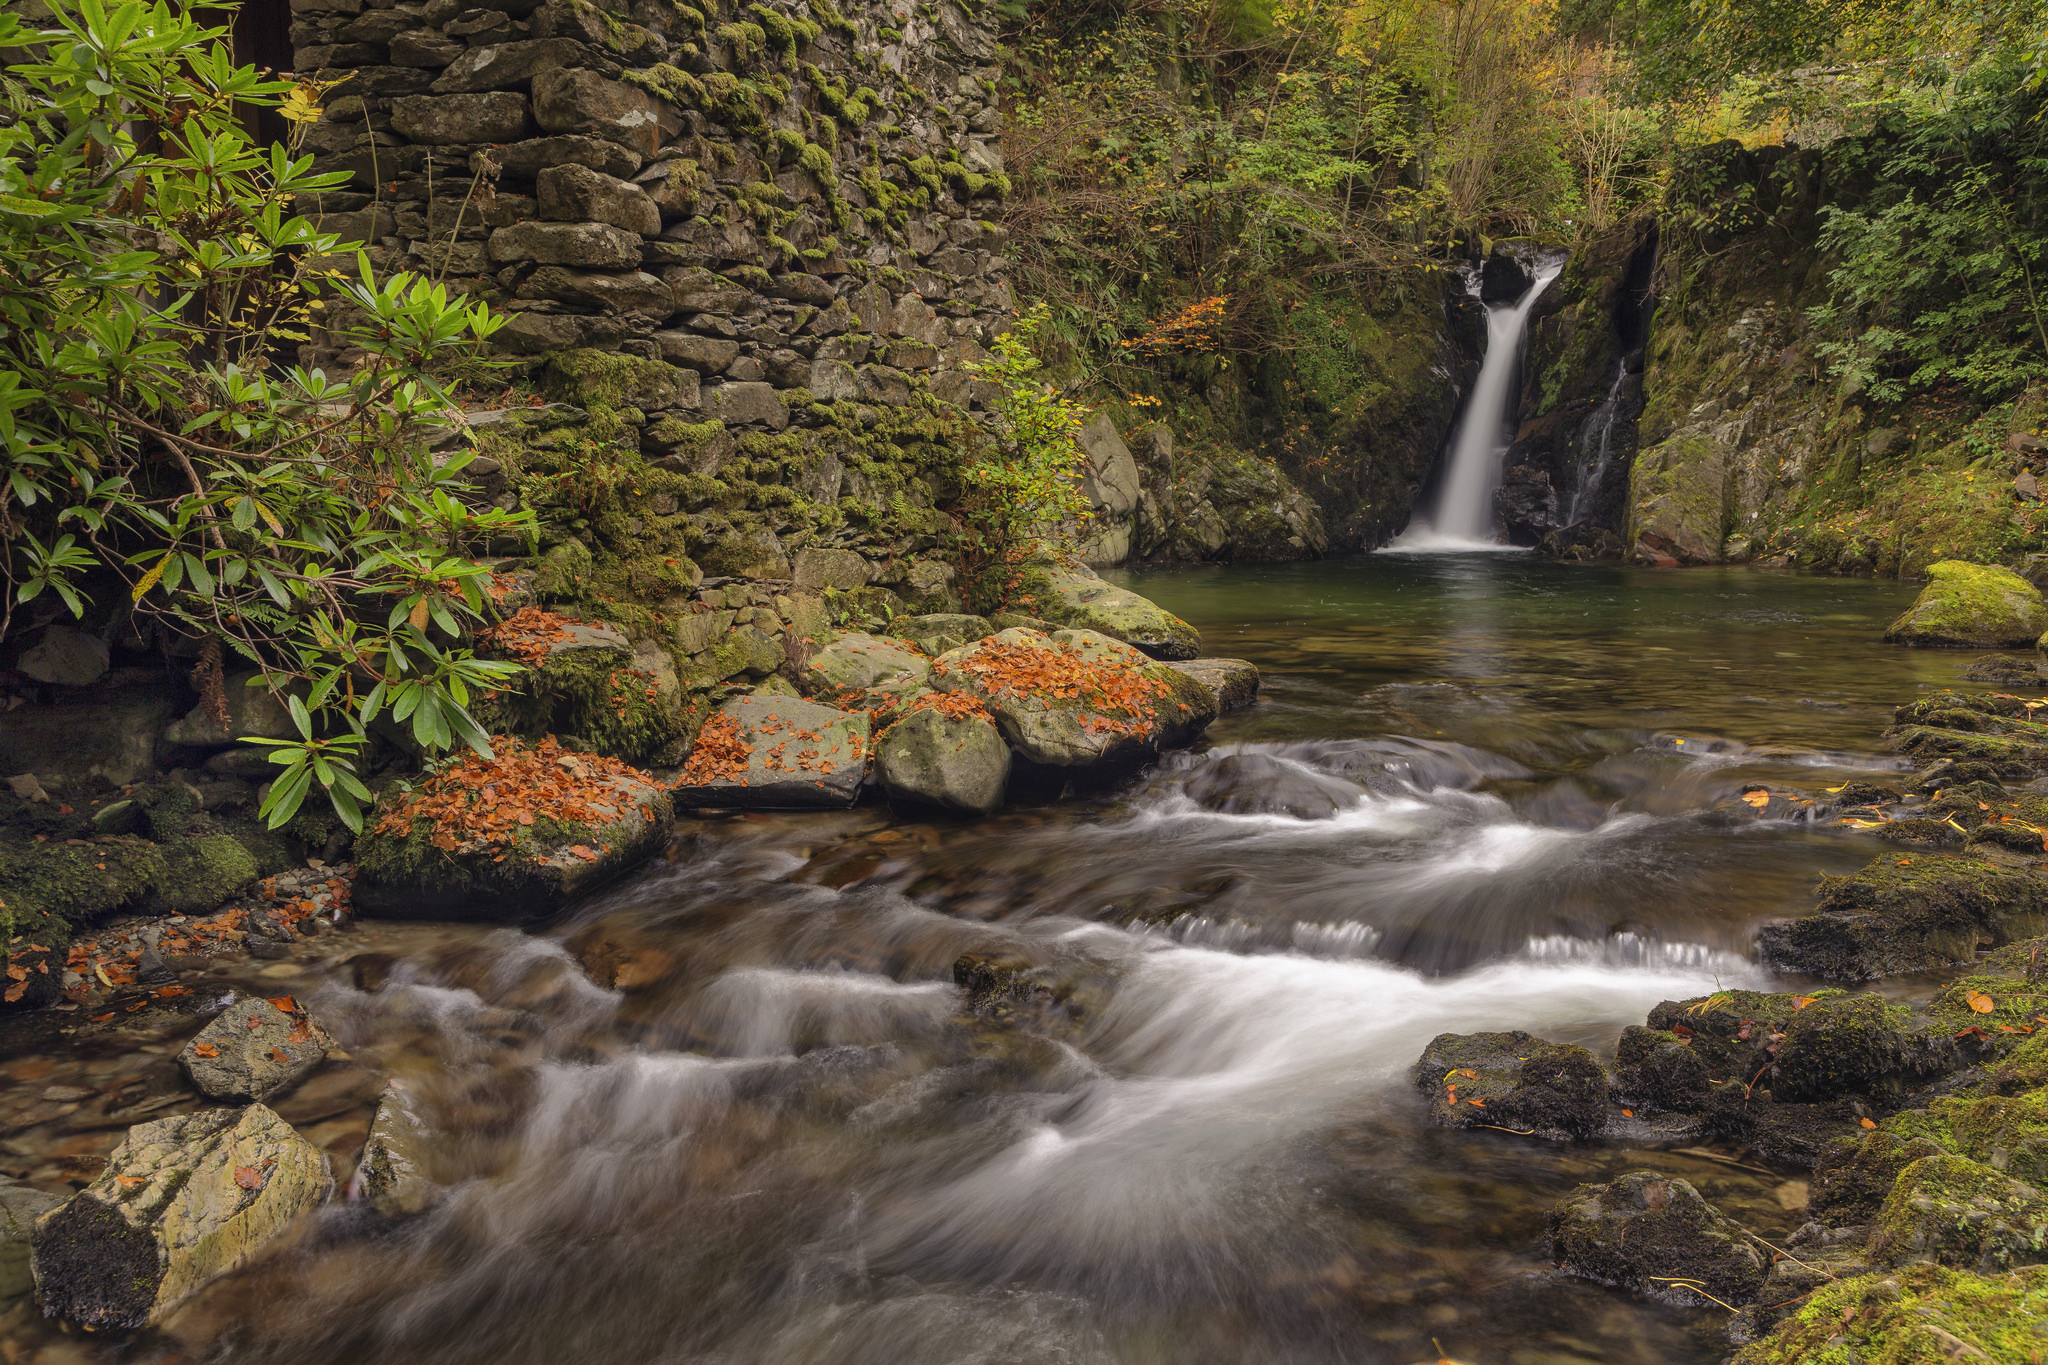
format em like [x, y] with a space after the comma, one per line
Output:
[203, 873]
[1654, 1234]
[780, 753]
[593, 684]
[937, 632]
[1917, 1315]
[50, 888]
[1656, 1069]
[182, 1201]
[1856, 1045]
[854, 667]
[1855, 1175]
[1907, 914]
[956, 763]
[1515, 1081]
[1081, 599]
[2008, 1133]
[1971, 606]
[1799, 1048]
[1961, 1213]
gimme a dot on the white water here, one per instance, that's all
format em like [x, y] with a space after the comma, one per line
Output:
[1462, 518]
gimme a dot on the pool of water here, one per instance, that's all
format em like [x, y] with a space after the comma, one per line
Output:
[732, 1112]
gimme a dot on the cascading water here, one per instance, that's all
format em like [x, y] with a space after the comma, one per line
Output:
[1462, 517]
[1593, 447]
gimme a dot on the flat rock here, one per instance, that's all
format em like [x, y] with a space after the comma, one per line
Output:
[956, 763]
[1233, 682]
[850, 666]
[253, 1050]
[937, 632]
[182, 1201]
[777, 753]
[1515, 1081]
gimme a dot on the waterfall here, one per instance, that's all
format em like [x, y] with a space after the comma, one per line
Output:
[1593, 447]
[1462, 516]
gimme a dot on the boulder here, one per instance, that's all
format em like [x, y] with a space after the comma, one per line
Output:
[776, 753]
[20, 1206]
[1971, 606]
[560, 826]
[253, 1050]
[1655, 1235]
[1907, 915]
[847, 667]
[577, 194]
[1656, 1069]
[204, 872]
[65, 658]
[959, 763]
[1955, 1212]
[1079, 598]
[1855, 1175]
[1076, 699]
[596, 246]
[392, 1174]
[2008, 1133]
[253, 711]
[1515, 1081]
[937, 632]
[182, 1201]
[1800, 1049]
[1110, 481]
[1504, 277]
[1234, 683]
[498, 116]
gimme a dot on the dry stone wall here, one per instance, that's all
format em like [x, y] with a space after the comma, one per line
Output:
[774, 204]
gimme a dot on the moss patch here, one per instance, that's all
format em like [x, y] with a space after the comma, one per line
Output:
[1914, 1316]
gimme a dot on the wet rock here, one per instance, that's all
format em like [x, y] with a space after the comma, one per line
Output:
[1971, 606]
[182, 1201]
[1265, 784]
[1504, 277]
[1956, 1212]
[20, 1206]
[939, 632]
[1080, 598]
[2006, 670]
[1654, 1234]
[1921, 1312]
[2008, 1133]
[1800, 1048]
[1655, 1069]
[852, 665]
[1076, 699]
[1798, 1134]
[959, 764]
[1908, 914]
[1515, 1081]
[1233, 682]
[392, 1174]
[1812, 1263]
[777, 753]
[1855, 1175]
[252, 1050]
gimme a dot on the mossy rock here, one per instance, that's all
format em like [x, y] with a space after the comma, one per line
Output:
[1971, 606]
[1657, 1069]
[1081, 599]
[2008, 1133]
[1855, 1175]
[1918, 1315]
[1801, 1048]
[1515, 1081]
[1963, 1214]
[48, 889]
[203, 873]
[1646, 1231]
[1907, 914]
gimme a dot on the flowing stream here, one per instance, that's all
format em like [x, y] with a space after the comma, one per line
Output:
[1462, 516]
[735, 1110]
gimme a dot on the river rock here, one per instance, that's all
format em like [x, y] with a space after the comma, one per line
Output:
[848, 667]
[1253, 783]
[1076, 699]
[1234, 683]
[1079, 598]
[1658, 1070]
[253, 1050]
[777, 753]
[20, 1206]
[1971, 606]
[1956, 1212]
[1855, 1175]
[938, 632]
[181, 1201]
[392, 1175]
[1907, 915]
[1800, 1048]
[1504, 277]
[1515, 1081]
[1646, 1232]
[959, 764]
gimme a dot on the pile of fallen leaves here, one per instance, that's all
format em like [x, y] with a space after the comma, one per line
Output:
[526, 635]
[953, 705]
[476, 804]
[720, 754]
[1119, 697]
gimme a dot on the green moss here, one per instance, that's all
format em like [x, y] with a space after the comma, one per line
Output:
[597, 695]
[1893, 1319]
[1960, 1213]
[925, 172]
[2008, 1133]
[833, 19]
[48, 889]
[563, 573]
[1974, 606]
[671, 83]
[200, 874]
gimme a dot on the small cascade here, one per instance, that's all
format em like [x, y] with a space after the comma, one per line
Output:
[1593, 447]
[1462, 515]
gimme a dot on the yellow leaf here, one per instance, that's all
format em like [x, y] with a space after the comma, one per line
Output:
[149, 580]
[270, 519]
[418, 618]
[1800, 1002]
[1980, 1002]
[1757, 799]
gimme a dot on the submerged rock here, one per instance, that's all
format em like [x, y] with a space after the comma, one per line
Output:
[1233, 682]
[1264, 784]
[1906, 915]
[1514, 1081]
[959, 763]
[1081, 599]
[182, 1200]
[1972, 606]
[252, 1050]
[776, 753]
[1654, 1234]
[1957, 1212]
[392, 1175]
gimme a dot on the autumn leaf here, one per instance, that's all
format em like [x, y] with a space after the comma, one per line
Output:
[205, 1050]
[1800, 1002]
[1758, 799]
[130, 1182]
[1866, 1123]
[278, 1054]
[1980, 1002]
[285, 1003]
[248, 1177]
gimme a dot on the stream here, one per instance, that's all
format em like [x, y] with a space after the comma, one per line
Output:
[1479, 792]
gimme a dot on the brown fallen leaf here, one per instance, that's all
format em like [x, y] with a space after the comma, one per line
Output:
[248, 1177]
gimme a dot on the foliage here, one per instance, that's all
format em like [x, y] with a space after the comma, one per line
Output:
[159, 449]
[1028, 484]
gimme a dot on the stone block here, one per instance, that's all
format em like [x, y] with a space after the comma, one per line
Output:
[574, 193]
[596, 245]
[507, 66]
[705, 355]
[832, 569]
[632, 291]
[880, 384]
[497, 116]
[747, 404]
[583, 102]
[833, 381]
[539, 333]
[526, 160]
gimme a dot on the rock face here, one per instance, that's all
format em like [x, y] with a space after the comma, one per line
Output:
[1076, 699]
[1082, 600]
[181, 1201]
[252, 1050]
[1955, 1212]
[1972, 606]
[776, 753]
[1515, 1081]
[392, 1174]
[956, 763]
[1888, 919]
[1649, 1232]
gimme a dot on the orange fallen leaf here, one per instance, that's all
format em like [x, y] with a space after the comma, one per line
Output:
[248, 1177]
[285, 1003]
[1758, 799]
[1866, 1123]
[205, 1050]
[278, 1054]
[130, 1181]
[1800, 1002]
[1628, 1113]
[1980, 1002]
